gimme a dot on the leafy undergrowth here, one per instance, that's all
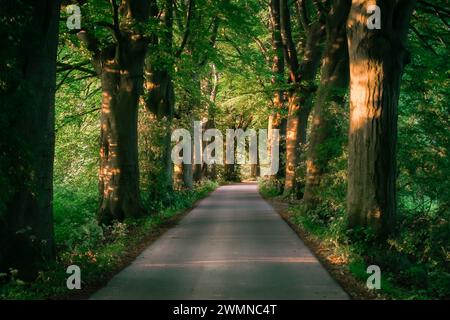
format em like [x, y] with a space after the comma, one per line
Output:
[99, 251]
[414, 263]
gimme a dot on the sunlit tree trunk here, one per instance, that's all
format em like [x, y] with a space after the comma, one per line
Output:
[211, 124]
[329, 99]
[210, 171]
[300, 94]
[377, 60]
[119, 171]
[120, 65]
[26, 221]
[278, 117]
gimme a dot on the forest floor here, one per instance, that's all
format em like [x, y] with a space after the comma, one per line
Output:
[131, 253]
[100, 252]
[232, 245]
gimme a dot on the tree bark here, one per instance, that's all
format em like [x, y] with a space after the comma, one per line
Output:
[26, 225]
[120, 65]
[377, 59]
[198, 167]
[330, 97]
[160, 100]
[188, 174]
[160, 93]
[119, 170]
[300, 95]
[278, 116]
[211, 87]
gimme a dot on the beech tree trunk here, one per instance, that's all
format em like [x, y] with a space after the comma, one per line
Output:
[278, 117]
[300, 95]
[119, 170]
[160, 93]
[377, 59]
[120, 65]
[198, 168]
[187, 168]
[329, 98]
[210, 171]
[188, 176]
[26, 222]
[160, 100]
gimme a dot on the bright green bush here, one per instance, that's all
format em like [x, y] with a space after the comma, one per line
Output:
[270, 187]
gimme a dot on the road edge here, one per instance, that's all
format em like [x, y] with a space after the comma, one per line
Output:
[355, 289]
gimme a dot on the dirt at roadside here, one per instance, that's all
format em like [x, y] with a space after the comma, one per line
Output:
[355, 288]
[128, 256]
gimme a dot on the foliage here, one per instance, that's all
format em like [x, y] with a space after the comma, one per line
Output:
[98, 251]
[270, 187]
[415, 260]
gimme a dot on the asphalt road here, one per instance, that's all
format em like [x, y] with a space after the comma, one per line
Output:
[233, 245]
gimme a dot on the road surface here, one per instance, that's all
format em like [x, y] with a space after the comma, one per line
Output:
[233, 245]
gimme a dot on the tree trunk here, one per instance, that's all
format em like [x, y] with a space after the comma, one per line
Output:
[211, 85]
[119, 170]
[188, 172]
[255, 171]
[120, 65]
[198, 167]
[278, 116]
[377, 59]
[160, 100]
[230, 173]
[26, 225]
[300, 95]
[209, 171]
[329, 97]
[160, 93]
[188, 177]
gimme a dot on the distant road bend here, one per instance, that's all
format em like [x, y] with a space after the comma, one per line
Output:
[233, 245]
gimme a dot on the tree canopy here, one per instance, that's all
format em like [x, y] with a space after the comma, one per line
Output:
[87, 111]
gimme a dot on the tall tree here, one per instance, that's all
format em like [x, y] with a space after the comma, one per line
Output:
[377, 59]
[28, 77]
[330, 97]
[301, 76]
[210, 87]
[160, 95]
[277, 119]
[120, 64]
[198, 51]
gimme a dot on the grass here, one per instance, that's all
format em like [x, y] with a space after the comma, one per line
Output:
[402, 277]
[100, 252]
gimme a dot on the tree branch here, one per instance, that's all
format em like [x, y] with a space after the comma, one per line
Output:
[71, 117]
[423, 40]
[116, 25]
[290, 50]
[61, 66]
[187, 29]
[436, 7]
[302, 17]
